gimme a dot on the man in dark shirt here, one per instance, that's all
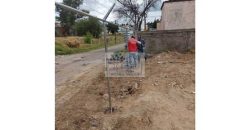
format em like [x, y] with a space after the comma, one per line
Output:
[141, 48]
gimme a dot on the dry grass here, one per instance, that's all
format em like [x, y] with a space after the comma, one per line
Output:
[62, 49]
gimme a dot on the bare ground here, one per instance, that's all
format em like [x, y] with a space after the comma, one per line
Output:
[70, 67]
[163, 100]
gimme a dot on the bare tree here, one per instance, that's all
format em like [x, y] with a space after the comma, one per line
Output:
[134, 11]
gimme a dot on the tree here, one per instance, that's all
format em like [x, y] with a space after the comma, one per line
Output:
[91, 25]
[134, 11]
[68, 18]
[153, 24]
[112, 28]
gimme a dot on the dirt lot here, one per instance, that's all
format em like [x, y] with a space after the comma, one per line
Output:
[163, 100]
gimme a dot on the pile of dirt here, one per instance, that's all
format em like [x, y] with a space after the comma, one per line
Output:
[162, 100]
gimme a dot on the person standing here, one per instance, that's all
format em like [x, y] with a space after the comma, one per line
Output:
[133, 51]
[141, 48]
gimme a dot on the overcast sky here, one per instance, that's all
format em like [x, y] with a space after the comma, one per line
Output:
[99, 8]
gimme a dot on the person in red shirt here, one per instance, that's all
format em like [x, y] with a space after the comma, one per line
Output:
[133, 50]
[132, 44]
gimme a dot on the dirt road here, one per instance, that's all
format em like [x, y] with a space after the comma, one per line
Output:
[162, 100]
[69, 67]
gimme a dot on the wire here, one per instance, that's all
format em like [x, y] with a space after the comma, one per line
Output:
[89, 6]
[95, 10]
[102, 4]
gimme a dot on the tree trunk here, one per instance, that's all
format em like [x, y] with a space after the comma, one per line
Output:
[139, 29]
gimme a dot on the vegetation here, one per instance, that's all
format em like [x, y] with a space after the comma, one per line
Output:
[153, 24]
[91, 25]
[68, 18]
[112, 28]
[88, 38]
[134, 11]
[62, 49]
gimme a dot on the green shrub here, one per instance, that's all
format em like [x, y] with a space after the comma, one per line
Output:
[62, 50]
[88, 38]
[92, 25]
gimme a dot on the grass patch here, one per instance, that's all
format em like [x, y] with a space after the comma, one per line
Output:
[62, 49]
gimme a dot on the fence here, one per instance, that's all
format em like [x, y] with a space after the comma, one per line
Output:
[104, 20]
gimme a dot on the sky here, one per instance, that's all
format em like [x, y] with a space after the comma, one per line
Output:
[99, 8]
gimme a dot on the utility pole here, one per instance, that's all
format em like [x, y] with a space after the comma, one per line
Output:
[104, 20]
[115, 33]
[145, 24]
[106, 50]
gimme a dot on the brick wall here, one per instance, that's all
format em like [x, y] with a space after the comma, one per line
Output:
[164, 40]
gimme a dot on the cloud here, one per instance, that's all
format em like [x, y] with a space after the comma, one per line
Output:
[99, 8]
[59, 1]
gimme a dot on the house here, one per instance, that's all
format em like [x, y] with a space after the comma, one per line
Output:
[59, 30]
[176, 29]
[177, 14]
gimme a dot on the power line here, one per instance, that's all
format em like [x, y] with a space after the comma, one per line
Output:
[101, 4]
[89, 6]
[99, 12]
[95, 10]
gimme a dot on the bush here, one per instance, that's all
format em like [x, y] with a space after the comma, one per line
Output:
[88, 38]
[62, 50]
[112, 28]
[90, 25]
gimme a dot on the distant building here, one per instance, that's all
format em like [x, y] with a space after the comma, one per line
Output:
[57, 24]
[177, 14]
[59, 30]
